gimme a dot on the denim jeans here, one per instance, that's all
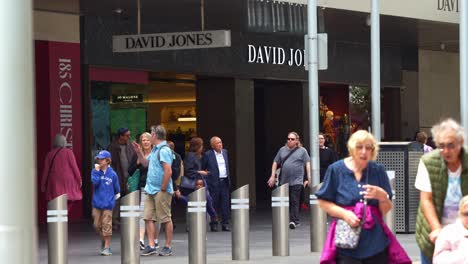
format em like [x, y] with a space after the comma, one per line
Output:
[424, 260]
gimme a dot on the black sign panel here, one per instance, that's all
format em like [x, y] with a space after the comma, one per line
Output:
[127, 98]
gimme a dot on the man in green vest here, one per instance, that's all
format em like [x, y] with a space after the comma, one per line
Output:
[442, 179]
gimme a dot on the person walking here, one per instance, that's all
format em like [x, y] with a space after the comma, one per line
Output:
[123, 153]
[327, 156]
[451, 246]
[61, 174]
[146, 147]
[216, 163]
[293, 160]
[159, 189]
[106, 191]
[356, 190]
[442, 179]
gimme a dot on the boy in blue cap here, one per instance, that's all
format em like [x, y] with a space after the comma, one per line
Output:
[106, 190]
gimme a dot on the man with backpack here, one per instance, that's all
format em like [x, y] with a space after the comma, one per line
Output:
[159, 188]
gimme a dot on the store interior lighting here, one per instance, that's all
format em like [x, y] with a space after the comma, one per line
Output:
[186, 119]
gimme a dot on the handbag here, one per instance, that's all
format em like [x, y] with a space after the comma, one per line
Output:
[187, 183]
[133, 181]
[347, 237]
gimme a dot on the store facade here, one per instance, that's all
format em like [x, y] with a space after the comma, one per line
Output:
[250, 93]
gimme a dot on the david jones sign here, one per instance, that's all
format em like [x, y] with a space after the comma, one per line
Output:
[172, 41]
[448, 5]
[276, 55]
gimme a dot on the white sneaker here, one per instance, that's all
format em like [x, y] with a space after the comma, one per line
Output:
[292, 225]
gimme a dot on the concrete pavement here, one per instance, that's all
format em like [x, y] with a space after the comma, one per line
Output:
[84, 244]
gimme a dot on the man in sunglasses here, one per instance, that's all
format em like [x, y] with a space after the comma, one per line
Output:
[122, 153]
[442, 179]
[292, 158]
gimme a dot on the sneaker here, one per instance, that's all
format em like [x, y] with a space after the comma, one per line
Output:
[156, 245]
[292, 225]
[106, 252]
[142, 245]
[149, 251]
[166, 251]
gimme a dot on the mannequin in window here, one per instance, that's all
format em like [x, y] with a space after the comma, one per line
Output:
[328, 129]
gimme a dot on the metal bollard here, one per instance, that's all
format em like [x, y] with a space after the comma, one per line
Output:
[240, 223]
[197, 226]
[318, 223]
[280, 208]
[57, 230]
[130, 217]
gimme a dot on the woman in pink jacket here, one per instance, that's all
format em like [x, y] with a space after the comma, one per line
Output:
[451, 246]
[61, 174]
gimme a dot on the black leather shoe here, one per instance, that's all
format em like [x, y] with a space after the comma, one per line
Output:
[214, 227]
[226, 228]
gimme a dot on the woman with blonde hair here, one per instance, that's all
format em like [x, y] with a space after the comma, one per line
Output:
[146, 147]
[451, 246]
[356, 190]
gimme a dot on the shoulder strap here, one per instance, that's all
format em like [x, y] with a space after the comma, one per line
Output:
[52, 163]
[159, 150]
[289, 155]
[363, 217]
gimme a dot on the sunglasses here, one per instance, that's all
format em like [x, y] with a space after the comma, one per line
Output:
[291, 139]
[448, 145]
[464, 214]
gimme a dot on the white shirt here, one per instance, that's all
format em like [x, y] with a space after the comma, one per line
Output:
[221, 164]
[454, 194]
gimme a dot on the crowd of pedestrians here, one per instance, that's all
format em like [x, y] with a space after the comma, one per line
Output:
[153, 167]
[355, 191]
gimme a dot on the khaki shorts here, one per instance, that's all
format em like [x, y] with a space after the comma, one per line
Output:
[102, 221]
[158, 207]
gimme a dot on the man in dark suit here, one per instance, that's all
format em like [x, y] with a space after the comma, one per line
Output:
[215, 161]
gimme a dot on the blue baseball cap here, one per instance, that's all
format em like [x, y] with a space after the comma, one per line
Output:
[122, 131]
[103, 154]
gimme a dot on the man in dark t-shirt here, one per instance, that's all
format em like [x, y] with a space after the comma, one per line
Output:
[327, 156]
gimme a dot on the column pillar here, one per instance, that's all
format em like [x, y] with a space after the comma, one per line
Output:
[18, 227]
[225, 108]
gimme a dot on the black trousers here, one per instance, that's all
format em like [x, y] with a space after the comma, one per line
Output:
[380, 258]
[221, 201]
[294, 200]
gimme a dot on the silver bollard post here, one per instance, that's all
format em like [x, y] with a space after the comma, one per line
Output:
[240, 223]
[197, 226]
[130, 217]
[280, 208]
[318, 223]
[57, 230]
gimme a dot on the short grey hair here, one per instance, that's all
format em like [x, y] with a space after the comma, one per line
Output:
[159, 131]
[448, 125]
[59, 141]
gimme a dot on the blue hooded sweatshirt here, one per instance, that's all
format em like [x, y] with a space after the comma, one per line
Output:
[106, 186]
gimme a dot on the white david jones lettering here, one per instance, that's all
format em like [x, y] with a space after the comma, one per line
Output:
[276, 55]
[65, 98]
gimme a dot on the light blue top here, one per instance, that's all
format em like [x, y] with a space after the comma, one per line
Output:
[155, 169]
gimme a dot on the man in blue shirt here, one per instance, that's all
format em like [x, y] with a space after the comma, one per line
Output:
[159, 189]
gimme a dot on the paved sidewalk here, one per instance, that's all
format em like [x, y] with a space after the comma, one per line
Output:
[84, 245]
